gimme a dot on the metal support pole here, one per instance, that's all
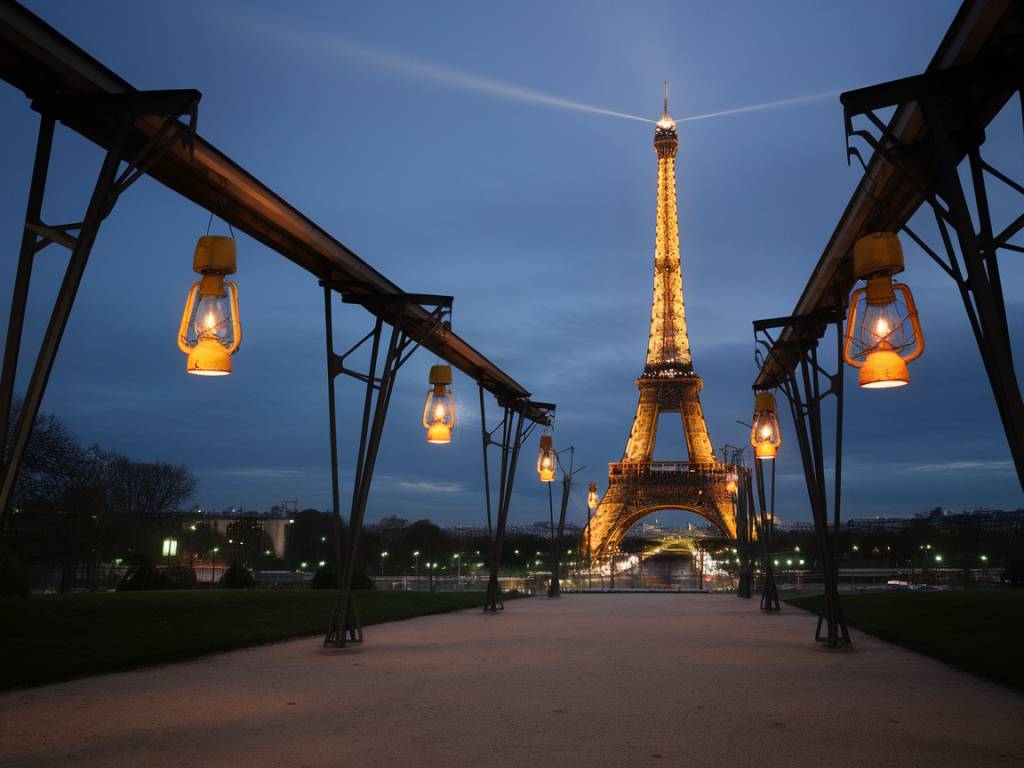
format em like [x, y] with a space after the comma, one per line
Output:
[512, 440]
[983, 283]
[769, 592]
[19, 295]
[487, 474]
[125, 108]
[590, 558]
[554, 588]
[803, 390]
[333, 429]
[344, 625]
[98, 204]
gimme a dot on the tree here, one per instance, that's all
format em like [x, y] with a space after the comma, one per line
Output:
[134, 491]
[52, 462]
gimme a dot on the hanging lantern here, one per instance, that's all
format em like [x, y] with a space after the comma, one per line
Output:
[439, 410]
[210, 332]
[765, 435]
[592, 499]
[731, 482]
[883, 332]
[547, 459]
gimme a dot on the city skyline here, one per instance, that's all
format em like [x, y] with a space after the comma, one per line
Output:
[415, 185]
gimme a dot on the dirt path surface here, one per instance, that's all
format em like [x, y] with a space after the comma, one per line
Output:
[586, 680]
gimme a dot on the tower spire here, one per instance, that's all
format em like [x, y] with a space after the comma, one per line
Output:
[668, 347]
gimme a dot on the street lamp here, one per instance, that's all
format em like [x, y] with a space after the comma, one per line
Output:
[416, 567]
[210, 331]
[883, 333]
[383, 557]
[592, 502]
[765, 435]
[439, 410]
[213, 577]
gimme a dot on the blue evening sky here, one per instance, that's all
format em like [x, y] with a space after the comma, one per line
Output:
[380, 122]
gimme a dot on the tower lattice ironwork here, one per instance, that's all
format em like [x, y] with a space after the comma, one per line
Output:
[638, 485]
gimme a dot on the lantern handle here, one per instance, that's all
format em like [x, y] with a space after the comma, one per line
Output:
[915, 323]
[236, 324]
[851, 320]
[185, 317]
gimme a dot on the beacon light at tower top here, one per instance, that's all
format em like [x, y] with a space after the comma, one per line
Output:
[666, 122]
[210, 331]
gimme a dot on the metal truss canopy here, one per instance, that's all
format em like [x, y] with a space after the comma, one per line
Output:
[886, 197]
[44, 64]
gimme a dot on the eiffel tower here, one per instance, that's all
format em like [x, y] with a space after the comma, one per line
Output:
[637, 485]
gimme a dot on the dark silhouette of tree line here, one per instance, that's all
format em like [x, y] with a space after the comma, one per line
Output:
[81, 508]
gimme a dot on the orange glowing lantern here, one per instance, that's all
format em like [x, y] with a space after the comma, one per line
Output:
[210, 331]
[731, 482]
[592, 498]
[547, 459]
[883, 332]
[765, 435]
[439, 410]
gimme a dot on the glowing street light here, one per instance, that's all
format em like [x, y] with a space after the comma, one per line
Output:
[883, 333]
[547, 459]
[439, 410]
[731, 483]
[765, 435]
[210, 331]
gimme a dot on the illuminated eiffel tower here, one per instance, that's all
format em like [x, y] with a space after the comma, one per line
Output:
[637, 485]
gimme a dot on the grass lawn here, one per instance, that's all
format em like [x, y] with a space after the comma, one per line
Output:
[47, 638]
[976, 631]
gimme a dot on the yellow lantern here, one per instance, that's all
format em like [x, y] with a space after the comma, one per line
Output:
[592, 499]
[883, 332]
[439, 410]
[765, 435]
[547, 459]
[210, 332]
[731, 482]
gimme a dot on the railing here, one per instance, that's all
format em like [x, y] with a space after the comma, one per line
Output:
[686, 468]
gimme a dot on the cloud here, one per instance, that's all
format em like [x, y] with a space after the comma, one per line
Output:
[959, 466]
[268, 472]
[429, 486]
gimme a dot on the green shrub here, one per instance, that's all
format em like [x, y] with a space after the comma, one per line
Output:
[14, 577]
[143, 578]
[327, 578]
[1014, 572]
[180, 577]
[237, 577]
[324, 578]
